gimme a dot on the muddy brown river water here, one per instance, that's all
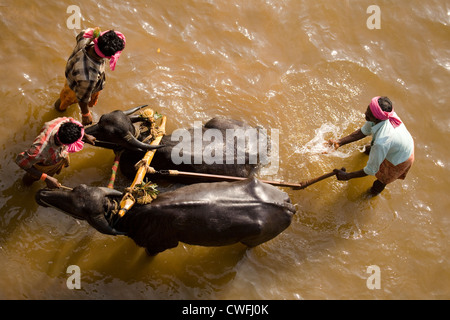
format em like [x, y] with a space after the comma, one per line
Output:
[307, 69]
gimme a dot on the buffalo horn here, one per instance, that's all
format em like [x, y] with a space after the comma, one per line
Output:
[111, 192]
[135, 143]
[133, 110]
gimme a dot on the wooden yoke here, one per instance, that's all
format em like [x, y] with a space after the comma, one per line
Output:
[128, 200]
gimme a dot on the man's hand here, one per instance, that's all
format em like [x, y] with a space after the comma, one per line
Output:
[335, 144]
[89, 139]
[342, 175]
[331, 144]
[52, 183]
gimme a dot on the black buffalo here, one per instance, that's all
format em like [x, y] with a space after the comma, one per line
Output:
[206, 214]
[116, 130]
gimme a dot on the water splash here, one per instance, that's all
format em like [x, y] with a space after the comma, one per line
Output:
[317, 145]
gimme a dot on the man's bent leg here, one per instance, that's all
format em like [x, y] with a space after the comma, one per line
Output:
[66, 98]
[377, 188]
[94, 99]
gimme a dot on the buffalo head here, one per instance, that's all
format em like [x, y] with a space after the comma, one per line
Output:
[82, 202]
[116, 130]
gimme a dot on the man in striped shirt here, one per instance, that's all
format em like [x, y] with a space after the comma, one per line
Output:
[49, 152]
[85, 69]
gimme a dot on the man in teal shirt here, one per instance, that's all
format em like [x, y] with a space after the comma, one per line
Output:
[391, 153]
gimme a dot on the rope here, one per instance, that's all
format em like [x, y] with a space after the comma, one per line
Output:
[143, 163]
[149, 117]
[143, 193]
[110, 216]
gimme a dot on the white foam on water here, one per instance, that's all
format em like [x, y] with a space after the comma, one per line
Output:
[317, 145]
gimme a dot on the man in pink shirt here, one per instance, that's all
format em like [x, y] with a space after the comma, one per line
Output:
[49, 152]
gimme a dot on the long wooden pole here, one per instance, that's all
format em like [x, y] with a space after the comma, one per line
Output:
[307, 183]
[215, 177]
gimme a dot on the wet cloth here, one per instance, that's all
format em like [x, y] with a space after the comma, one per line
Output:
[67, 98]
[384, 115]
[389, 173]
[85, 75]
[49, 170]
[395, 145]
[44, 151]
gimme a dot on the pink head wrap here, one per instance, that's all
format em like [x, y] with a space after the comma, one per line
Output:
[384, 115]
[77, 145]
[112, 59]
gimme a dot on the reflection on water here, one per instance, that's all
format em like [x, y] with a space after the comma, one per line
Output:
[305, 68]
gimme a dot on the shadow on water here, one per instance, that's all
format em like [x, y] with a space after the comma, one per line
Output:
[17, 199]
[19, 205]
[111, 267]
[341, 209]
[115, 268]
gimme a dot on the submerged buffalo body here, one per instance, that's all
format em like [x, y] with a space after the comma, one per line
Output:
[206, 214]
[115, 130]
